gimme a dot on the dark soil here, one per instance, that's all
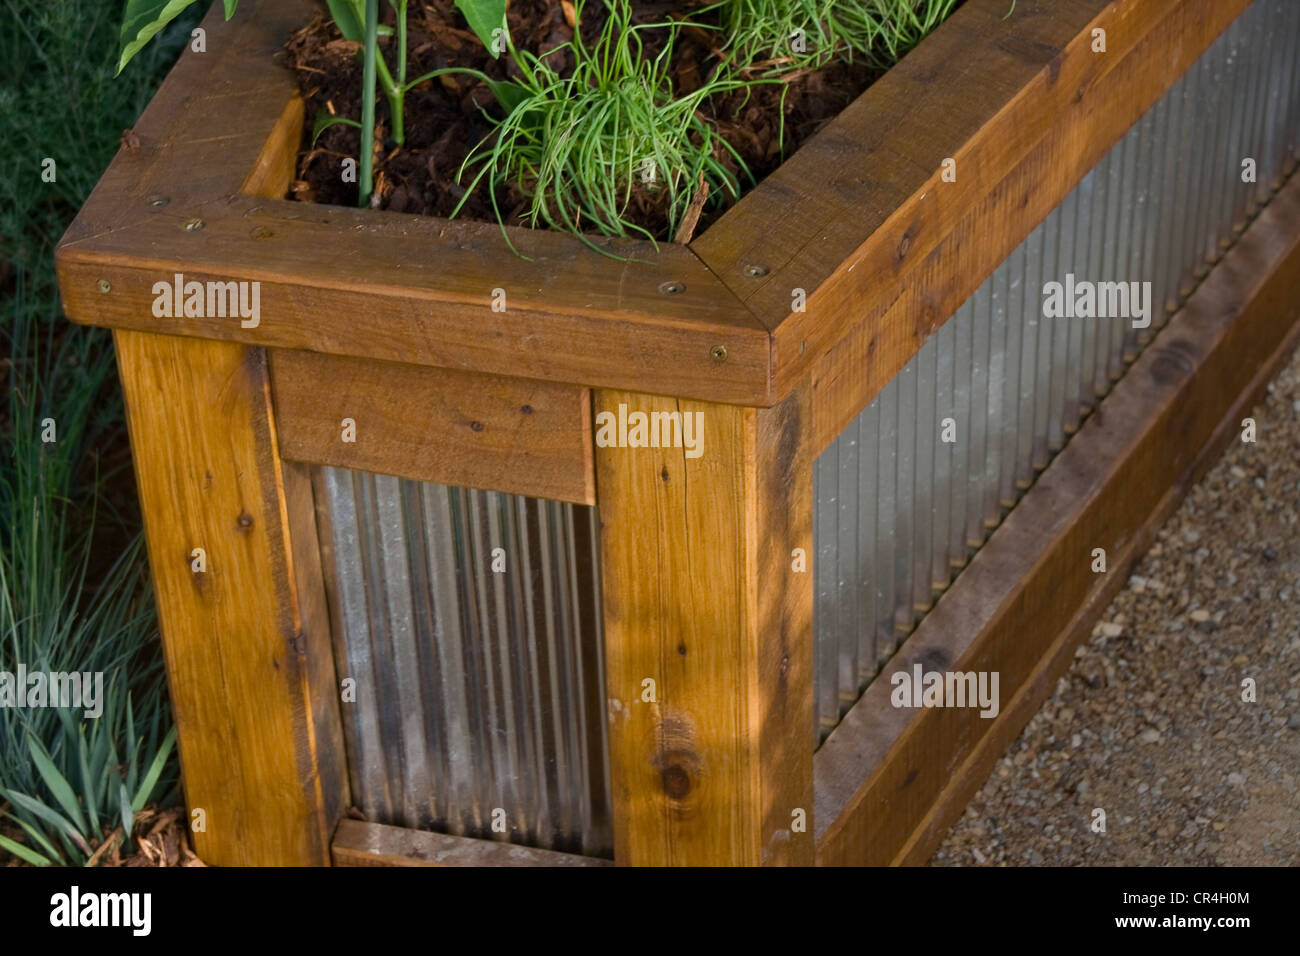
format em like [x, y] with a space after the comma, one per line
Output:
[444, 118]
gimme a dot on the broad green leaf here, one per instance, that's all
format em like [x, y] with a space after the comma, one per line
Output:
[230, 7]
[87, 784]
[39, 839]
[347, 17]
[35, 807]
[155, 771]
[509, 95]
[128, 817]
[324, 121]
[58, 785]
[23, 853]
[143, 20]
[484, 17]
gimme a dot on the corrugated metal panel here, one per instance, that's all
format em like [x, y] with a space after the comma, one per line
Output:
[470, 623]
[898, 509]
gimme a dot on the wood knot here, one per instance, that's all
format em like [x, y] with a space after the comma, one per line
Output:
[245, 521]
[905, 244]
[676, 781]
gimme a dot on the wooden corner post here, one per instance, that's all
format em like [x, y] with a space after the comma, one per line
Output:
[706, 571]
[236, 569]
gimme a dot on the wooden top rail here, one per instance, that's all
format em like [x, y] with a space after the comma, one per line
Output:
[859, 219]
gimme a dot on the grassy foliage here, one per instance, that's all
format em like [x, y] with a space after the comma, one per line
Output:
[586, 145]
[73, 593]
[776, 36]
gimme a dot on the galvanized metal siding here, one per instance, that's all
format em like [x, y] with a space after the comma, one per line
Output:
[899, 511]
[476, 689]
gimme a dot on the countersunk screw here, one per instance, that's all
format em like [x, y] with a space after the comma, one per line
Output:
[159, 201]
[719, 353]
[673, 287]
[194, 225]
[756, 271]
[103, 285]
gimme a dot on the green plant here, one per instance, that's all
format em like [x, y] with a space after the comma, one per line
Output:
[358, 21]
[73, 580]
[143, 19]
[64, 776]
[774, 37]
[584, 147]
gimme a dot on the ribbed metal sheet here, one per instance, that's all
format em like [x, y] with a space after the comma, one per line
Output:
[477, 690]
[898, 510]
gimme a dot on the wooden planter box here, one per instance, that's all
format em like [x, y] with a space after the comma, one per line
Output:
[388, 319]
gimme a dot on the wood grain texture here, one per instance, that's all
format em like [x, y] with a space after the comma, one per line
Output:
[358, 843]
[861, 220]
[213, 124]
[454, 428]
[246, 641]
[889, 781]
[419, 290]
[700, 597]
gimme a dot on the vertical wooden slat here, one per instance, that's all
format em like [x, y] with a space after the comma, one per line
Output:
[246, 641]
[702, 597]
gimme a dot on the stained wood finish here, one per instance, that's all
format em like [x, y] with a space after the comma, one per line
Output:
[419, 290]
[700, 597]
[455, 428]
[889, 782]
[861, 219]
[358, 843]
[246, 642]
[858, 218]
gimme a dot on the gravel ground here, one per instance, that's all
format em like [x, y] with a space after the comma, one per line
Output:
[1150, 724]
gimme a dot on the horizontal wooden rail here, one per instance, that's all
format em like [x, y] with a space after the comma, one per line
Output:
[358, 843]
[861, 219]
[371, 284]
[454, 428]
[889, 781]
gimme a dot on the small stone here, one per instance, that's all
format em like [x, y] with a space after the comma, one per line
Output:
[1237, 471]
[1293, 722]
[1143, 788]
[1236, 779]
[1149, 736]
[1199, 615]
[979, 857]
[1268, 554]
[1111, 629]
[1219, 825]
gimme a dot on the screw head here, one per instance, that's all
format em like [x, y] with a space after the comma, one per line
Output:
[159, 201]
[756, 271]
[103, 285]
[718, 353]
[194, 225]
[673, 287]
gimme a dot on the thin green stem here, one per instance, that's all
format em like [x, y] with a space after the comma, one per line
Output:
[366, 184]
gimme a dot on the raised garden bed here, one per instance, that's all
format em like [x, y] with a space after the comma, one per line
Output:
[779, 323]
